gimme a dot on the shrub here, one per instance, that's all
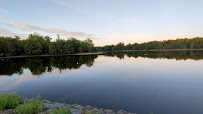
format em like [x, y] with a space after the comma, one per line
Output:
[33, 107]
[9, 101]
[94, 111]
[62, 111]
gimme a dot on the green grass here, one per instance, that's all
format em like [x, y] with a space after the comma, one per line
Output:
[33, 107]
[9, 101]
[62, 111]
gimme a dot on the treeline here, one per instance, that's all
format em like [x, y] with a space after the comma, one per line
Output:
[195, 43]
[36, 44]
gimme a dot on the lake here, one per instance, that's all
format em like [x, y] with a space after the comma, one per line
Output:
[142, 82]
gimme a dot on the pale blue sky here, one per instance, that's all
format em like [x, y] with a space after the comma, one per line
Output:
[105, 21]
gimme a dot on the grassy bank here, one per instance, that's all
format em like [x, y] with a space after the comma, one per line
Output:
[34, 106]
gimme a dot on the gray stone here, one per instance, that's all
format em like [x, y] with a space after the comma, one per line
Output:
[56, 103]
[48, 111]
[46, 101]
[49, 106]
[88, 107]
[76, 111]
[77, 106]
[3, 112]
[9, 111]
[121, 112]
[108, 111]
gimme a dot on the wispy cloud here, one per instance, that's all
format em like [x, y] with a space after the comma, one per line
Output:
[49, 30]
[4, 17]
[3, 10]
[6, 32]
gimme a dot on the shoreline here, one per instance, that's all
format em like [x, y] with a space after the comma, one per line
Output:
[79, 109]
[49, 106]
[95, 53]
[162, 50]
[52, 55]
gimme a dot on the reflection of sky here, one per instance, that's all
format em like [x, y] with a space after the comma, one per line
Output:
[133, 84]
[12, 82]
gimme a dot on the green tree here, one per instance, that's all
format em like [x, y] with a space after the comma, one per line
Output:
[34, 44]
[192, 45]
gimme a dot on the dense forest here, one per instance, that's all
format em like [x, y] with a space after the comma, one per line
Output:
[37, 44]
[194, 43]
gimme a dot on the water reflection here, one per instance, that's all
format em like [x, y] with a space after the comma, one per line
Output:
[40, 65]
[178, 55]
[140, 82]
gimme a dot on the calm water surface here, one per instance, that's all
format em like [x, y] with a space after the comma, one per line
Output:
[142, 82]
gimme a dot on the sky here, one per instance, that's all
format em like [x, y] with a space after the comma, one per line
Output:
[106, 22]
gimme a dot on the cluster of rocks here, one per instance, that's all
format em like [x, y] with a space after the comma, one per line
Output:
[75, 109]
[78, 109]
[9, 111]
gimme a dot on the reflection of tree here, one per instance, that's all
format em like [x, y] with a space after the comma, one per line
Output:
[10, 66]
[36, 65]
[72, 62]
[41, 65]
[120, 55]
[178, 55]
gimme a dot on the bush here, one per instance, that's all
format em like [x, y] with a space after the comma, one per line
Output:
[62, 111]
[33, 107]
[8, 101]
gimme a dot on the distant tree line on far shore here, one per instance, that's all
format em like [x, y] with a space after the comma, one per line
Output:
[37, 44]
[194, 43]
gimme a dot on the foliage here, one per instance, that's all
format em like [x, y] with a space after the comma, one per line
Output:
[8, 101]
[36, 44]
[33, 107]
[63, 110]
[194, 43]
[94, 111]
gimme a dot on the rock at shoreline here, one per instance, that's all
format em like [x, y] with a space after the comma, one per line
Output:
[77, 111]
[75, 108]
[50, 106]
[46, 101]
[9, 111]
